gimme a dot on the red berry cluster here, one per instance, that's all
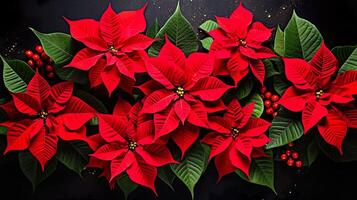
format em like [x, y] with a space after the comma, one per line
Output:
[39, 59]
[270, 102]
[291, 157]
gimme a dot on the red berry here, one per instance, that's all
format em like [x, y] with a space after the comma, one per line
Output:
[298, 163]
[269, 111]
[263, 90]
[30, 63]
[268, 95]
[39, 63]
[290, 162]
[288, 152]
[44, 56]
[275, 98]
[28, 54]
[35, 57]
[51, 75]
[295, 155]
[276, 106]
[283, 157]
[49, 68]
[39, 48]
[275, 114]
[291, 144]
[267, 103]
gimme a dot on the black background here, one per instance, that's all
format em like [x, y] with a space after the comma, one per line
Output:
[324, 180]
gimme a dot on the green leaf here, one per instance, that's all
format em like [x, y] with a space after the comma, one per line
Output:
[279, 46]
[166, 175]
[192, 167]
[285, 128]
[350, 64]
[126, 185]
[245, 87]
[32, 168]
[61, 48]
[3, 130]
[153, 30]
[91, 100]
[16, 75]
[206, 43]
[71, 156]
[312, 152]
[179, 31]
[208, 26]
[261, 171]
[280, 84]
[302, 39]
[343, 52]
[270, 68]
[258, 106]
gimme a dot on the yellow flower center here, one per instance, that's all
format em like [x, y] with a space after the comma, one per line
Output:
[132, 145]
[43, 114]
[113, 50]
[242, 42]
[235, 133]
[319, 93]
[180, 91]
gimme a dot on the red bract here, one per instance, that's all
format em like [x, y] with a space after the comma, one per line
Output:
[237, 138]
[126, 145]
[238, 46]
[314, 93]
[115, 49]
[41, 115]
[182, 91]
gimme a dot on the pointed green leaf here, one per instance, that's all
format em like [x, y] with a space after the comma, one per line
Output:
[258, 106]
[32, 168]
[166, 175]
[279, 46]
[153, 30]
[245, 87]
[342, 53]
[3, 130]
[270, 68]
[302, 39]
[72, 156]
[312, 153]
[62, 48]
[280, 84]
[350, 64]
[179, 31]
[192, 167]
[261, 171]
[206, 43]
[16, 75]
[285, 128]
[208, 26]
[126, 185]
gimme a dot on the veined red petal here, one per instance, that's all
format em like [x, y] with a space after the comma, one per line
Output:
[238, 67]
[109, 152]
[220, 124]
[198, 115]
[44, 146]
[182, 109]
[112, 128]
[223, 164]
[258, 33]
[109, 25]
[38, 88]
[165, 122]
[26, 104]
[258, 69]
[137, 42]
[294, 99]
[60, 95]
[334, 129]
[119, 165]
[185, 136]
[299, 72]
[255, 127]
[209, 89]
[87, 31]
[217, 142]
[122, 108]
[240, 161]
[158, 101]
[155, 155]
[312, 114]
[149, 87]
[85, 59]
[95, 72]
[199, 65]
[351, 116]
[172, 53]
[111, 78]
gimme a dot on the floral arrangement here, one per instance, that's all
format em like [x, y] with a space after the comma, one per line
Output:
[163, 104]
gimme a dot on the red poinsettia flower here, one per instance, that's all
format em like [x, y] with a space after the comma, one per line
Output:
[238, 46]
[314, 91]
[43, 114]
[182, 90]
[237, 138]
[115, 49]
[126, 145]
